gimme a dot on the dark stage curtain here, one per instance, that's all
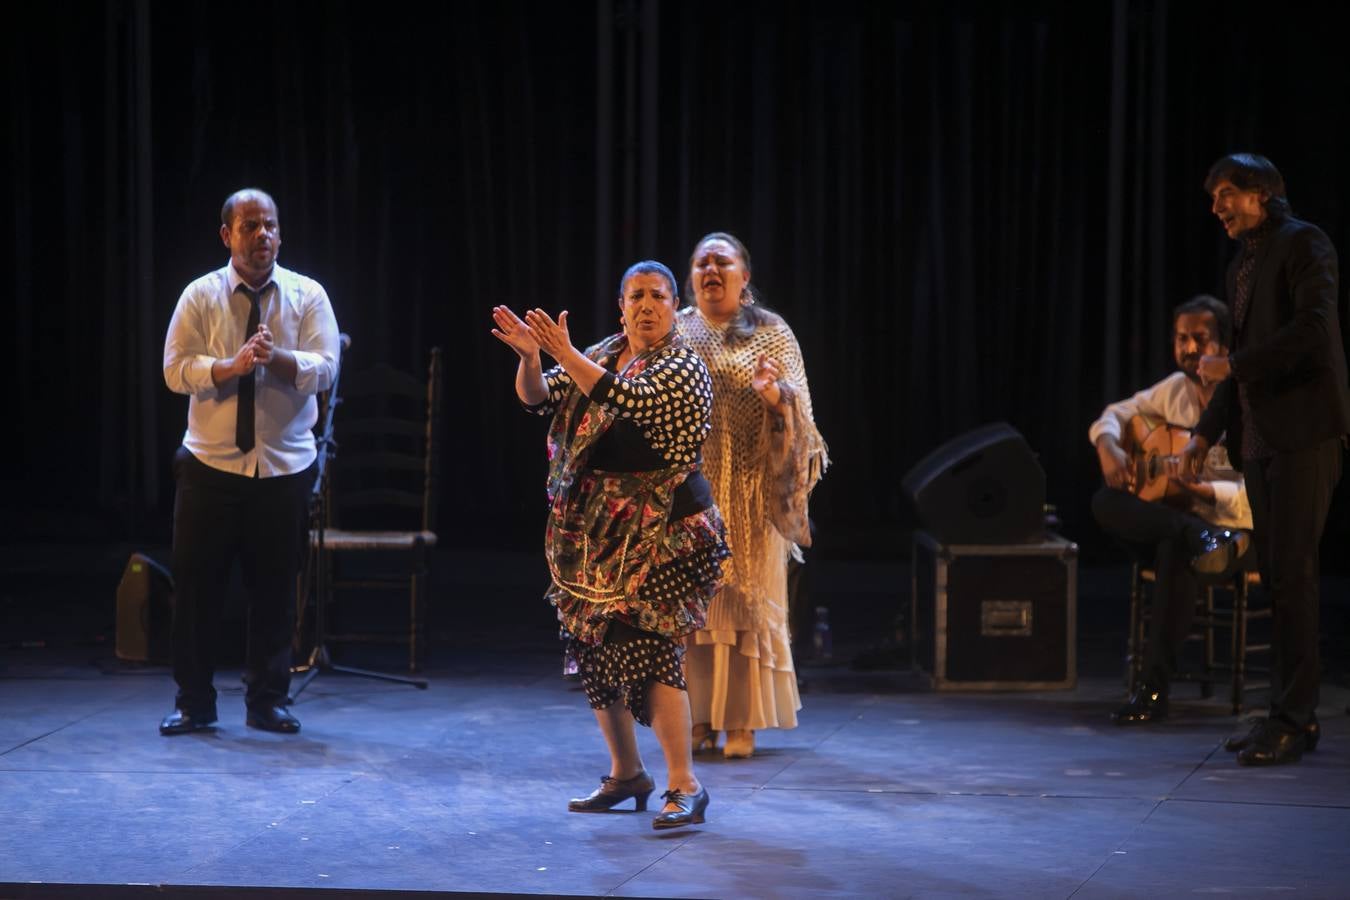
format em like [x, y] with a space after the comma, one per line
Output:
[968, 212]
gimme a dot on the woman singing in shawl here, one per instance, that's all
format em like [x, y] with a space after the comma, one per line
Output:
[763, 458]
[633, 541]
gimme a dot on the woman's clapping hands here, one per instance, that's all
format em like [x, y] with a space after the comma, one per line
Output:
[552, 337]
[537, 331]
[514, 333]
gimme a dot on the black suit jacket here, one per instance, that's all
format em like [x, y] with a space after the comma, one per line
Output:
[1287, 349]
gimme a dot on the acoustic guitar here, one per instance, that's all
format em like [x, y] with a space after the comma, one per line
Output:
[1152, 444]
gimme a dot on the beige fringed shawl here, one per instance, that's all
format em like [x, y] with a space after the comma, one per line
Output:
[762, 466]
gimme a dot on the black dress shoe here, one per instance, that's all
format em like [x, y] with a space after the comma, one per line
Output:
[1312, 733]
[182, 721]
[1147, 704]
[690, 812]
[612, 792]
[1218, 550]
[1235, 743]
[1274, 747]
[272, 718]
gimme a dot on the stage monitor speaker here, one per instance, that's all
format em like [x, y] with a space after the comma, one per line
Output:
[983, 487]
[144, 611]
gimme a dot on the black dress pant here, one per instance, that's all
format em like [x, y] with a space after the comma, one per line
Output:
[1290, 494]
[219, 517]
[1166, 538]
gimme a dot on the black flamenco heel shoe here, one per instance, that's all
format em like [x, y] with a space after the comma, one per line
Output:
[690, 812]
[612, 792]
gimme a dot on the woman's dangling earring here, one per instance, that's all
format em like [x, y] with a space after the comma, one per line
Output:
[747, 298]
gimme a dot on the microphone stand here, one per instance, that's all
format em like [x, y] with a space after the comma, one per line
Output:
[319, 658]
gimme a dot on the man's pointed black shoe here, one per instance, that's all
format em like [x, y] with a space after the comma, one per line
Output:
[1275, 747]
[272, 718]
[1234, 743]
[1219, 549]
[182, 721]
[1312, 733]
[1147, 704]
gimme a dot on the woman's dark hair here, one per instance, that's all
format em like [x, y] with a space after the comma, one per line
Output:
[651, 267]
[750, 316]
[1251, 172]
[1202, 304]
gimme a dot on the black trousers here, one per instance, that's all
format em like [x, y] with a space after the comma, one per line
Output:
[1165, 538]
[1290, 494]
[219, 517]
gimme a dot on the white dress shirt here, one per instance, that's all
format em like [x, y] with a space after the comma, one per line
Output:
[208, 325]
[1176, 400]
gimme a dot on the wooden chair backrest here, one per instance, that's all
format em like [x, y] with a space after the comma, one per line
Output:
[385, 473]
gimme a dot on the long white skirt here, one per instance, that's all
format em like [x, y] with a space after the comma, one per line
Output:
[740, 676]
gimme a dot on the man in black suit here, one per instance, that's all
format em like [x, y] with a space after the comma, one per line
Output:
[1284, 402]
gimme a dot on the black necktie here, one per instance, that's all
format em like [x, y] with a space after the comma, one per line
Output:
[243, 424]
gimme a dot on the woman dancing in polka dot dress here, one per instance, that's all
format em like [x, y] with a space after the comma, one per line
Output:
[634, 542]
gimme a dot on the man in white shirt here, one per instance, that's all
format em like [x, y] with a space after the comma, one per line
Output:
[1203, 534]
[251, 344]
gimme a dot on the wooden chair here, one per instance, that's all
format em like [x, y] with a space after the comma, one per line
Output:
[1235, 618]
[382, 495]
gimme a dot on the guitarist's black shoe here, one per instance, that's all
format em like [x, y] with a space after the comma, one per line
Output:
[1312, 733]
[1147, 704]
[1219, 549]
[1275, 747]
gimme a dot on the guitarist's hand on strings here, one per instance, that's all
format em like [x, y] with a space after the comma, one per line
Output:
[1115, 462]
[1192, 461]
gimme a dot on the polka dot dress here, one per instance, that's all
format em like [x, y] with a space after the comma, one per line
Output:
[625, 665]
[651, 417]
[669, 585]
[670, 400]
[629, 658]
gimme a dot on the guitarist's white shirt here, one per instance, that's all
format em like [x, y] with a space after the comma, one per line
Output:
[1176, 401]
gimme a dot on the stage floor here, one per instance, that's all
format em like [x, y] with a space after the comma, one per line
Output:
[885, 790]
[463, 787]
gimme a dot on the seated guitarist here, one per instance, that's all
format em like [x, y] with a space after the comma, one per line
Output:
[1201, 528]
